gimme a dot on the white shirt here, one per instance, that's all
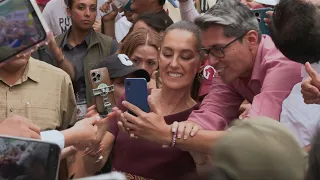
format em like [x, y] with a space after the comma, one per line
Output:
[55, 15]
[300, 118]
[122, 27]
[53, 136]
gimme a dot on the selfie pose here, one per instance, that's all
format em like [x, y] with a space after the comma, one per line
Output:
[179, 63]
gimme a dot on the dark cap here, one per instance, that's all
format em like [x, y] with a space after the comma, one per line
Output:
[119, 65]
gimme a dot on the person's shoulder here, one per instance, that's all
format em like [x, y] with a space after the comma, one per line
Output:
[103, 37]
[48, 69]
[271, 56]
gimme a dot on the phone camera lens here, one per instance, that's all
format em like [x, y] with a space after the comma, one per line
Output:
[128, 83]
[98, 75]
[257, 14]
[94, 79]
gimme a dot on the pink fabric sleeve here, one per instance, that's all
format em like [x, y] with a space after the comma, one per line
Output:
[218, 108]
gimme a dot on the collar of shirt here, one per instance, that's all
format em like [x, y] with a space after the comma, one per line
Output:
[265, 45]
[31, 72]
[86, 41]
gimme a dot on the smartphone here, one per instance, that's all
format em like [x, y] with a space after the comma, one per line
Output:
[119, 4]
[260, 15]
[102, 90]
[22, 27]
[137, 93]
[22, 158]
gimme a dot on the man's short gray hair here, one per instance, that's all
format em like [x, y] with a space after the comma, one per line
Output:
[236, 18]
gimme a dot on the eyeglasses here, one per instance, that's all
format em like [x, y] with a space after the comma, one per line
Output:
[218, 52]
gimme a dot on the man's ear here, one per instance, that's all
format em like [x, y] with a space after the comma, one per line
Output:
[252, 38]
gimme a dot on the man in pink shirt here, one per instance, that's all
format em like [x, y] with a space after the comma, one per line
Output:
[249, 67]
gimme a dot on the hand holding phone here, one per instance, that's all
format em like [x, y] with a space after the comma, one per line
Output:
[261, 14]
[35, 159]
[22, 28]
[137, 93]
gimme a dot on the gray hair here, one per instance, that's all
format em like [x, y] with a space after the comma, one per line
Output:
[236, 18]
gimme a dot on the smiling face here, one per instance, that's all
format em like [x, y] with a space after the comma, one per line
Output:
[146, 57]
[239, 56]
[83, 14]
[179, 59]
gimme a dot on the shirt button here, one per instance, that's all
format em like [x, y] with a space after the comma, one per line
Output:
[11, 109]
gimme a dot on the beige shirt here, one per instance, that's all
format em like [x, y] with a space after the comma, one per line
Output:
[44, 94]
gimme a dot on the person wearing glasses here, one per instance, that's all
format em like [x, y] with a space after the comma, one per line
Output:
[248, 66]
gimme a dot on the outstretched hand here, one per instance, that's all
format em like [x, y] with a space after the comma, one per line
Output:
[150, 126]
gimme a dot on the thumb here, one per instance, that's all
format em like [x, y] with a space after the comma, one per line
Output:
[109, 116]
[153, 107]
[312, 73]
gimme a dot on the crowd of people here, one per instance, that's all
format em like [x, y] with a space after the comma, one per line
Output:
[226, 101]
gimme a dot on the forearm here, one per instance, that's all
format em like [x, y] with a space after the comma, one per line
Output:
[109, 29]
[67, 66]
[203, 142]
[70, 137]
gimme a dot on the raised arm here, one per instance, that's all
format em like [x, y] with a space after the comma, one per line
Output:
[187, 10]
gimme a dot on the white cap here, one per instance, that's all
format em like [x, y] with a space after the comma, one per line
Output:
[268, 2]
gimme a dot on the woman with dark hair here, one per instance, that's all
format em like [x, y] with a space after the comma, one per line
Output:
[83, 47]
[179, 64]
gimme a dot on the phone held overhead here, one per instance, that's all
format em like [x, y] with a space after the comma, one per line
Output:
[22, 27]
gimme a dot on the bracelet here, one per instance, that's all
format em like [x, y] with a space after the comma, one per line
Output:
[174, 139]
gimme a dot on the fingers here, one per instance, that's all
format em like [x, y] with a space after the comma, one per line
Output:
[35, 135]
[181, 130]
[114, 8]
[129, 121]
[91, 108]
[308, 89]
[34, 128]
[153, 107]
[194, 130]
[174, 127]
[187, 130]
[137, 111]
[92, 120]
[121, 127]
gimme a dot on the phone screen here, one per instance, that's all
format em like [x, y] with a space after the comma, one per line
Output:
[20, 27]
[28, 160]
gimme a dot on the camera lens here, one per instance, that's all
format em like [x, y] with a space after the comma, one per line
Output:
[94, 79]
[98, 75]
[257, 14]
[128, 83]
[93, 74]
